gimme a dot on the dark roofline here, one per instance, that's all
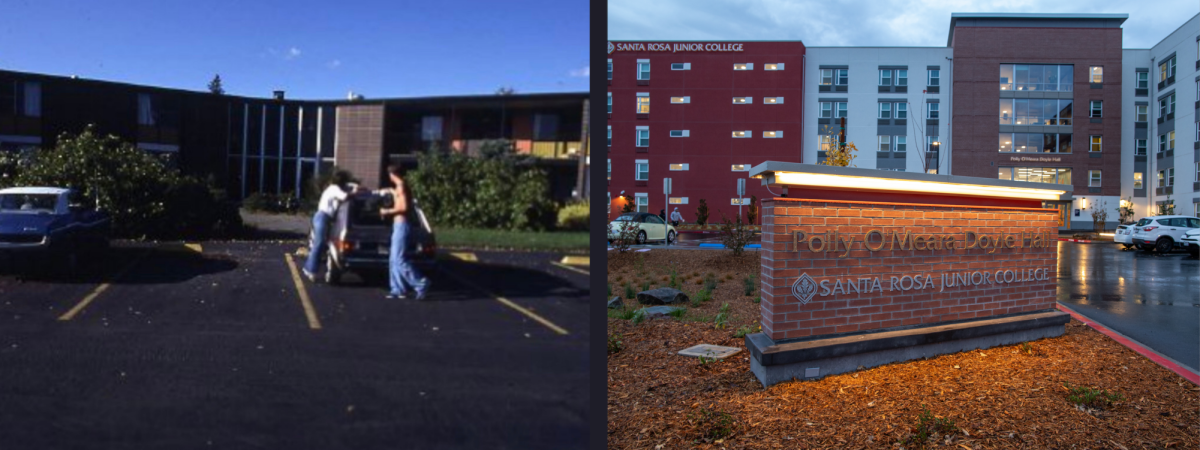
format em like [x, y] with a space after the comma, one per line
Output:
[546, 96]
[1119, 18]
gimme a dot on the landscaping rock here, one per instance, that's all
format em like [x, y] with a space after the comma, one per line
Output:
[659, 311]
[615, 303]
[662, 296]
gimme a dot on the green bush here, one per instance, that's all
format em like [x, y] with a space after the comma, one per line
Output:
[500, 190]
[286, 203]
[144, 197]
[574, 216]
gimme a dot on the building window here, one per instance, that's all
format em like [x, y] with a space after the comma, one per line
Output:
[680, 133]
[1162, 143]
[1143, 80]
[902, 110]
[678, 167]
[1096, 109]
[742, 167]
[643, 70]
[1171, 103]
[1095, 144]
[1096, 74]
[826, 110]
[776, 66]
[1093, 178]
[1143, 113]
[642, 170]
[643, 103]
[773, 100]
[1166, 70]
[825, 143]
[885, 143]
[643, 137]
[931, 143]
[1171, 140]
[840, 109]
[826, 77]
[885, 110]
[1035, 143]
[773, 134]
[610, 102]
[1170, 177]
[743, 100]
[901, 143]
[686, 99]
[610, 70]
[842, 77]
[935, 76]
[678, 200]
[743, 66]
[1022, 111]
[610, 169]
[545, 127]
[1053, 175]
[145, 110]
[901, 77]
[681, 66]
[743, 134]
[431, 128]
[1139, 147]
[643, 202]
[610, 135]
[31, 106]
[1137, 180]
[739, 201]
[1036, 77]
[885, 77]
[933, 110]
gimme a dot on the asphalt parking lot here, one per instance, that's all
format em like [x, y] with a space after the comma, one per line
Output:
[163, 346]
[1150, 297]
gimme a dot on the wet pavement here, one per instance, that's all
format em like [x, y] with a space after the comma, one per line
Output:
[1152, 298]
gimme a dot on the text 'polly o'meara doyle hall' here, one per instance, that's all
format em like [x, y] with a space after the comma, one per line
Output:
[1049, 98]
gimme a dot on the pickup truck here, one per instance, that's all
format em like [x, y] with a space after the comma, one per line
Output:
[48, 225]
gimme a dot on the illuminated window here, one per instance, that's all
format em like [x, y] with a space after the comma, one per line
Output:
[739, 201]
[610, 135]
[679, 167]
[681, 99]
[742, 134]
[743, 66]
[1097, 74]
[643, 103]
[678, 200]
[1095, 144]
[825, 143]
[743, 100]
[885, 143]
[741, 167]
[773, 100]
[773, 134]
[1137, 180]
[826, 77]
[774, 66]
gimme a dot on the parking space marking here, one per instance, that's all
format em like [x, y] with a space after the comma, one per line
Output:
[573, 269]
[508, 303]
[309, 311]
[470, 257]
[577, 260]
[100, 289]
[194, 247]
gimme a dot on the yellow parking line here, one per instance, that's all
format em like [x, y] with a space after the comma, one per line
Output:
[465, 256]
[510, 304]
[194, 247]
[309, 311]
[570, 268]
[100, 289]
[577, 260]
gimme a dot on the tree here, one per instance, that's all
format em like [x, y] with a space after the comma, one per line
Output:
[506, 90]
[214, 86]
[1167, 207]
[839, 155]
[1099, 215]
[752, 211]
[702, 213]
[627, 207]
[1126, 210]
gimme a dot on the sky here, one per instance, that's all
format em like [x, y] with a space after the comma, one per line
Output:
[310, 49]
[864, 23]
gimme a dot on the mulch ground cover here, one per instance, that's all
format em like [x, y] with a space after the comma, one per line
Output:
[1079, 390]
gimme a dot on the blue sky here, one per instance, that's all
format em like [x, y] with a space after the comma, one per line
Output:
[311, 49]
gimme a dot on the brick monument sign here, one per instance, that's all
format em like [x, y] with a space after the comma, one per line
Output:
[862, 267]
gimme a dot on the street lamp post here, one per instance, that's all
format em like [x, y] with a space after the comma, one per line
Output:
[933, 155]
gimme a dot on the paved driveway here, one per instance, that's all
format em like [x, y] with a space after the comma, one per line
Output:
[1152, 298]
[163, 347]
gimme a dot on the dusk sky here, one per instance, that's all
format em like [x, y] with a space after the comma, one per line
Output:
[311, 49]
[863, 23]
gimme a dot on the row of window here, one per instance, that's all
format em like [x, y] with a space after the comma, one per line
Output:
[887, 77]
[643, 101]
[643, 68]
[826, 143]
[839, 110]
[642, 204]
[641, 168]
[643, 135]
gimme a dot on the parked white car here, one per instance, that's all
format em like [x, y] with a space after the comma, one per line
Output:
[1162, 233]
[1124, 235]
[1191, 241]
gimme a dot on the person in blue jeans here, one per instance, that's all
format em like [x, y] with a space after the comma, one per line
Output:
[401, 274]
[333, 196]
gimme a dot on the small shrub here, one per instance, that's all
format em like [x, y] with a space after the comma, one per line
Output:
[927, 425]
[742, 332]
[574, 216]
[703, 296]
[750, 285]
[626, 235]
[722, 317]
[639, 316]
[735, 235]
[646, 285]
[614, 343]
[678, 313]
[695, 274]
[757, 300]
[704, 360]
[1091, 397]
[710, 282]
[713, 425]
[629, 294]
[702, 213]
[623, 313]
[609, 291]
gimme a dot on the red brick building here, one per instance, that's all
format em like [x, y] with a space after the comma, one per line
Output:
[701, 114]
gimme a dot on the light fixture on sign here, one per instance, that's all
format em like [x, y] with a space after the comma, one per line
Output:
[827, 181]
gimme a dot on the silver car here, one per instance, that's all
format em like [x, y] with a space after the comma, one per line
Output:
[1124, 235]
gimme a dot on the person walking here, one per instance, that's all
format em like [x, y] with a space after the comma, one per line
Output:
[401, 273]
[339, 188]
[676, 217]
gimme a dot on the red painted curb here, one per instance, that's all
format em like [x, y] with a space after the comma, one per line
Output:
[1184, 372]
[1076, 240]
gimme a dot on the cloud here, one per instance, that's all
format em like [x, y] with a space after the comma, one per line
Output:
[292, 53]
[584, 72]
[334, 64]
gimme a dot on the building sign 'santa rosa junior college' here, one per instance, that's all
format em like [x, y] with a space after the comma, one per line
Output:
[674, 47]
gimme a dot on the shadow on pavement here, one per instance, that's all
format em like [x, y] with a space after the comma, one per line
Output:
[502, 280]
[157, 265]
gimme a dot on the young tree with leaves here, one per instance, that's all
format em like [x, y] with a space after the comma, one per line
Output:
[215, 87]
[839, 155]
[702, 213]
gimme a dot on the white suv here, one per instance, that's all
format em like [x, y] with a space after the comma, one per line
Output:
[1124, 235]
[1162, 233]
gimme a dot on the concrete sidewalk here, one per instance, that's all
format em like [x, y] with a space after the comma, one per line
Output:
[278, 226]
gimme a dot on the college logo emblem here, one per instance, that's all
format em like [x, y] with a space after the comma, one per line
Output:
[804, 288]
[610, 48]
